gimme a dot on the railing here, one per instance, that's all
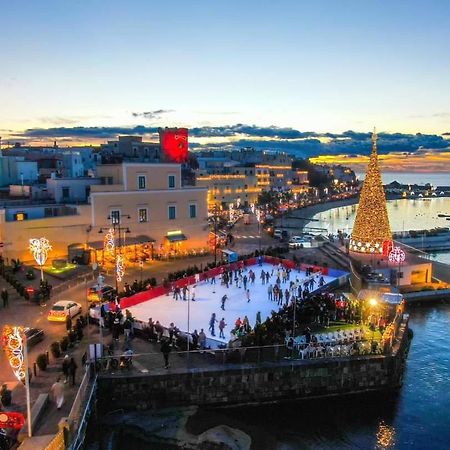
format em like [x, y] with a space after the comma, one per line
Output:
[81, 409]
[153, 363]
[65, 285]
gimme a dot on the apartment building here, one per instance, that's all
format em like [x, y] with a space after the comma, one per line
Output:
[147, 200]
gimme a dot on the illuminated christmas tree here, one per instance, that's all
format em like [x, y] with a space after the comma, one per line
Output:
[371, 228]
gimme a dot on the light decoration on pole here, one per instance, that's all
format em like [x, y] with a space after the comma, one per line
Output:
[371, 226]
[120, 267]
[40, 248]
[397, 255]
[14, 347]
[109, 242]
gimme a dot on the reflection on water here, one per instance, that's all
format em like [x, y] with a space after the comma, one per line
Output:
[417, 418]
[403, 214]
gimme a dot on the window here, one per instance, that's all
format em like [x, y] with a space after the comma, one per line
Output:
[171, 181]
[65, 192]
[172, 212]
[193, 211]
[142, 215]
[142, 181]
[115, 216]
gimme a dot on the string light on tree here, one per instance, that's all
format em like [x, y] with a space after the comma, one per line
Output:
[371, 228]
[109, 242]
[120, 268]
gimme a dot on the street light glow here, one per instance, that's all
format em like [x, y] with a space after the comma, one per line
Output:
[373, 302]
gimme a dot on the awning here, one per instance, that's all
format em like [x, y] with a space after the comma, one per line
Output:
[176, 237]
[96, 245]
[141, 239]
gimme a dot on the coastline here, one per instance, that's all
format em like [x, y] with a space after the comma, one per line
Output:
[309, 212]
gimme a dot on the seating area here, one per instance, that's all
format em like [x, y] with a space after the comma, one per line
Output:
[339, 343]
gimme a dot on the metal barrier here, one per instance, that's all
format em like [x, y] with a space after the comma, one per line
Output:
[65, 285]
[149, 363]
[81, 409]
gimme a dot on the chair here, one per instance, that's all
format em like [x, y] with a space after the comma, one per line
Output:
[303, 352]
[311, 351]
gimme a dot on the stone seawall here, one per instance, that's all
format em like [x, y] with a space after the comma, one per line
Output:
[268, 382]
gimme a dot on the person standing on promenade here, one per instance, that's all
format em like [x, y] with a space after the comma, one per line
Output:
[165, 350]
[65, 368]
[202, 339]
[5, 298]
[247, 294]
[72, 370]
[57, 391]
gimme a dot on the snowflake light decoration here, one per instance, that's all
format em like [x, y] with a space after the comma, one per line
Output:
[397, 255]
[40, 248]
[120, 267]
[14, 346]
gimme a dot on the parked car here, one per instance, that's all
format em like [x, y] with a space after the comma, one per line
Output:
[60, 310]
[299, 242]
[277, 233]
[34, 335]
[97, 294]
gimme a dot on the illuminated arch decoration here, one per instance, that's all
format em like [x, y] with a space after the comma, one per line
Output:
[397, 255]
[120, 267]
[109, 242]
[13, 339]
[40, 249]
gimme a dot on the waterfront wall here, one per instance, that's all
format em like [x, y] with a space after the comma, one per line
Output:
[247, 383]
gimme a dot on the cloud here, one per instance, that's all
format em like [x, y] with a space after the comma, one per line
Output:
[86, 132]
[438, 115]
[152, 115]
[299, 143]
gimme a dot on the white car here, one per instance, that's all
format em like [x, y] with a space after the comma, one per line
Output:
[299, 242]
[60, 310]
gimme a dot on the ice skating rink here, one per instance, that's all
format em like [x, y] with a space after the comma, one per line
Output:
[208, 300]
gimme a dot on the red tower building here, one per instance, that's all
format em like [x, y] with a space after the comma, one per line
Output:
[174, 144]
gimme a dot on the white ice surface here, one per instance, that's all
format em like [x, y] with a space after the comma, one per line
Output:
[208, 300]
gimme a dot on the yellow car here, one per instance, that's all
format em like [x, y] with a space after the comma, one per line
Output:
[62, 309]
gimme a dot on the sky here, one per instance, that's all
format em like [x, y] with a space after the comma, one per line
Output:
[320, 66]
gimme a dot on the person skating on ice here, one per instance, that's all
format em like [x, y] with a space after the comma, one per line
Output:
[212, 324]
[223, 300]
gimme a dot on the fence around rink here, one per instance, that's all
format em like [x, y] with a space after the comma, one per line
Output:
[156, 291]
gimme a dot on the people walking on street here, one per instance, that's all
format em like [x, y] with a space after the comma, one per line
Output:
[222, 325]
[270, 292]
[65, 368]
[5, 298]
[202, 339]
[165, 350]
[247, 294]
[263, 277]
[193, 292]
[258, 318]
[72, 370]
[212, 323]
[223, 300]
[57, 391]
[244, 281]
[68, 323]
